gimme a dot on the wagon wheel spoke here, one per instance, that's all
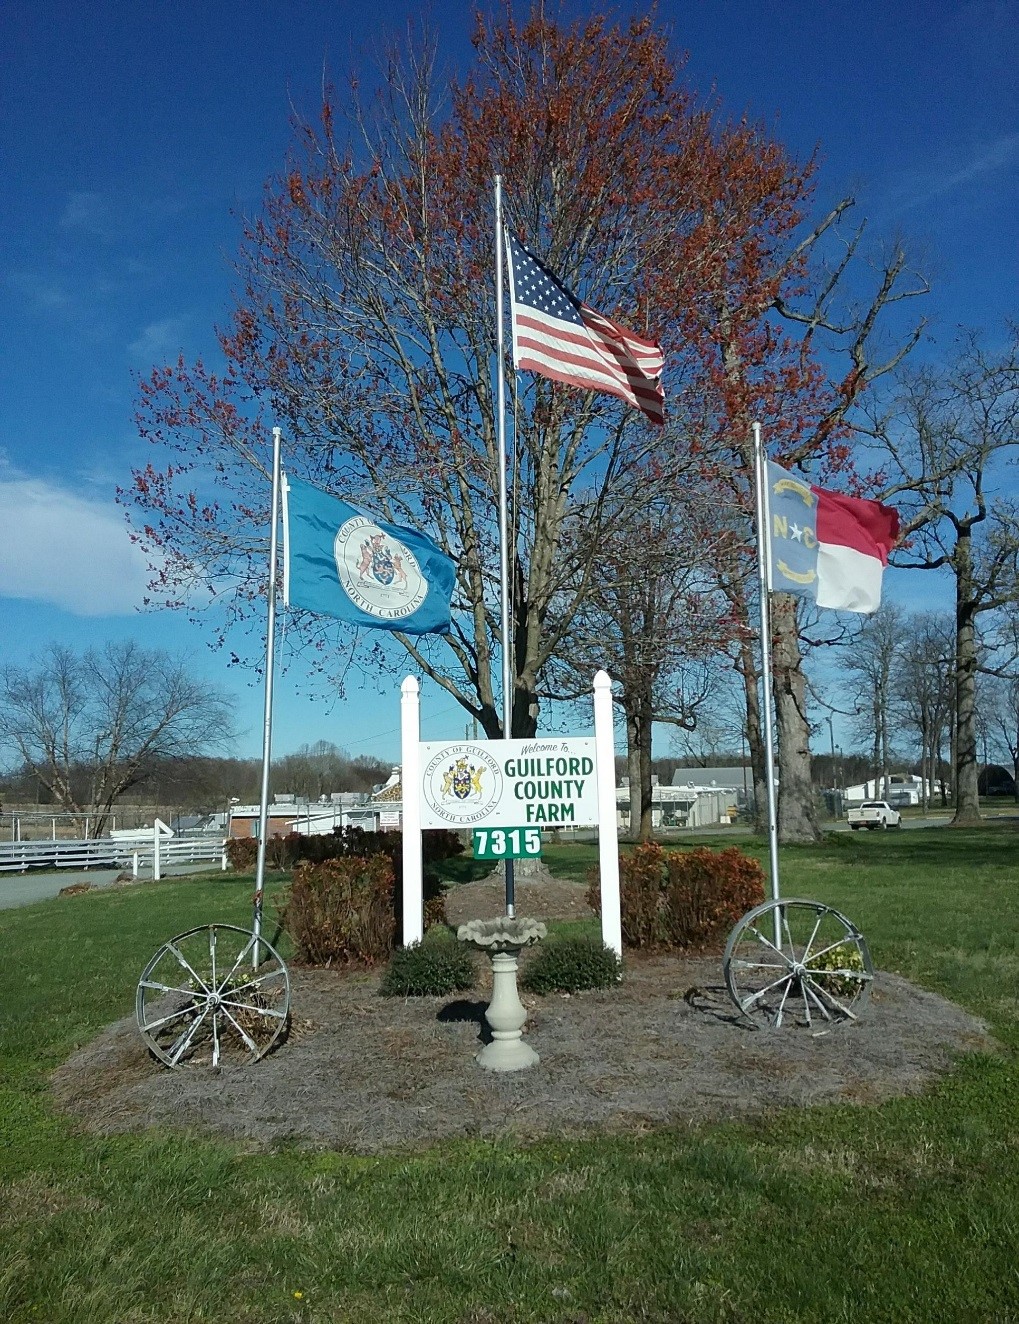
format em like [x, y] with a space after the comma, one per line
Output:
[165, 988]
[228, 1013]
[781, 1005]
[183, 961]
[761, 937]
[186, 1037]
[784, 913]
[252, 1046]
[785, 978]
[173, 1016]
[256, 1011]
[813, 935]
[819, 993]
[832, 947]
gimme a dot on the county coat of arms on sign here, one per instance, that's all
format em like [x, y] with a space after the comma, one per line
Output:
[461, 783]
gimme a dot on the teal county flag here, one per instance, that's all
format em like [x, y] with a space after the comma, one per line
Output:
[340, 561]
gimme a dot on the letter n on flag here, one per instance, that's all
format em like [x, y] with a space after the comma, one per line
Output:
[825, 546]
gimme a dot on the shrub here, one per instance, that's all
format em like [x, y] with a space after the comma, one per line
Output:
[435, 913]
[429, 969]
[708, 891]
[824, 969]
[281, 852]
[641, 876]
[241, 853]
[341, 910]
[682, 899]
[284, 852]
[568, 965]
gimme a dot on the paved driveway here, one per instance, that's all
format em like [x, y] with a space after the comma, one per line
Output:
[23, 889]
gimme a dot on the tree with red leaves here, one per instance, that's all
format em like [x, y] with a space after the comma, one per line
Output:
[366, 328]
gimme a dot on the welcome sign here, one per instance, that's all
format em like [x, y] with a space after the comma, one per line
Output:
[509, 783]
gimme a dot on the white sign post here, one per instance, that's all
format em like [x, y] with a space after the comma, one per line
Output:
[608, 842]
[410, 776]
[545, 782]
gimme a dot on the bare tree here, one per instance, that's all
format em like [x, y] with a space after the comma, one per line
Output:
[651, 617]
[872, 660]
[923, 692]
[946, 436]
[999, 714]
[91, 726]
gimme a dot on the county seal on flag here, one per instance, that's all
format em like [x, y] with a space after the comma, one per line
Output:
[340, 561]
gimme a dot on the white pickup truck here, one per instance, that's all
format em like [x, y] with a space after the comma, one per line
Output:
[874, 814]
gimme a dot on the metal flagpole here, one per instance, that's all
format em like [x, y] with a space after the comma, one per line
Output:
[270, 654]
[507, 667]
[764, 583]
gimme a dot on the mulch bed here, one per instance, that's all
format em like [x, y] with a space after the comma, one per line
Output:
[370, 1074]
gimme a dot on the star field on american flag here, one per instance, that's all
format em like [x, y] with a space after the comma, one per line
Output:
[558, 336]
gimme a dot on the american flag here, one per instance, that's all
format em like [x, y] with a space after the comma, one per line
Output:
[558, 336]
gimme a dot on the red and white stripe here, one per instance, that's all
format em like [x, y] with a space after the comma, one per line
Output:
[598, 356]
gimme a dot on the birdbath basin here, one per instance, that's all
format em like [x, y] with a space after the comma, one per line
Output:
[501, 940]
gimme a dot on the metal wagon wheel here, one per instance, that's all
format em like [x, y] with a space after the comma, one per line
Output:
[201, 1000]
[797, 960]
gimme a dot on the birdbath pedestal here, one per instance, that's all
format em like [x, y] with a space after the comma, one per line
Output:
[501, 940]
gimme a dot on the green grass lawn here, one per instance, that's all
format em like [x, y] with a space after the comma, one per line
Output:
[908, 1211]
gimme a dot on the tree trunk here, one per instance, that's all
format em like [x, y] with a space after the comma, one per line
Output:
[639, 771]
[797, 816]
[633, 775]
[746, 665]
[1015, 767]
[646, 787]
[926, 766]
[967, 789]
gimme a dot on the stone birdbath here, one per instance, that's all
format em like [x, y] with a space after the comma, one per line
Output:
[501, 940]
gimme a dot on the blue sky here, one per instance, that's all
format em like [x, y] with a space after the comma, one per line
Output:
[135, 134]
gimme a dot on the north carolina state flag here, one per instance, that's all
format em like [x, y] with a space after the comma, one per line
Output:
[825, 546]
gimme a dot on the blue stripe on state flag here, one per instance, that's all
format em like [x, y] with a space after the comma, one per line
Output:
[792, 533]
[340, 561]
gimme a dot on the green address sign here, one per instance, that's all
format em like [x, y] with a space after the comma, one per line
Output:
[506, 843]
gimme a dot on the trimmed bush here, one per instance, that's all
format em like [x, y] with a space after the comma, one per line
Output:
[281, 852]
[341, 910]
[284, 852]
[429, 969]
[241, 853]
[682, 899]
[435, 912]
[708, 891]
[569, 965]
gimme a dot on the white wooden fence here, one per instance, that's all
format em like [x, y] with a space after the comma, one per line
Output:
[149, 850]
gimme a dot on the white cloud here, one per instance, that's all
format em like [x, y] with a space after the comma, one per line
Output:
[42, 292]
[90, 213]
[986, 160]
[160, 340]
[66, 550]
